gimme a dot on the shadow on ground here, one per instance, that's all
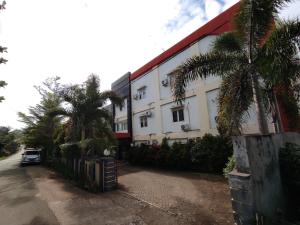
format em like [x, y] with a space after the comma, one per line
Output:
[38, 221]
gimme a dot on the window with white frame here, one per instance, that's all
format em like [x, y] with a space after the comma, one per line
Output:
[144, 121]
[121, 126]
[178, 114]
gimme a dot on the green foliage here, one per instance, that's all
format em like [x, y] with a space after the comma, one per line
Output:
[2, 50]
[41, 126]
[70, 150]
[179, 156]
[8, 141]
[87, 121]
[208, 154]
[96, 146]
[229, 166]
[81, 127]
[163, 153]
[290, 174]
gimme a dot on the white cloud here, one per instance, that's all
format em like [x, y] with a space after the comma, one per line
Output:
[212, 8]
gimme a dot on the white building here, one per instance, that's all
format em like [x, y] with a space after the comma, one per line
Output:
[155, 115]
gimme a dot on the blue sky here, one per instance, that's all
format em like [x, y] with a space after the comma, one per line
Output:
[73, 38]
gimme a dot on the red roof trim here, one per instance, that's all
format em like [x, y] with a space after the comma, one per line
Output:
[220, 24]
[122, 135]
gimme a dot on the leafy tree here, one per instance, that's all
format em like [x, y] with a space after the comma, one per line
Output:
[88, 122]
[252, 61]
[41, 126]
[8, 141]
[2, 50]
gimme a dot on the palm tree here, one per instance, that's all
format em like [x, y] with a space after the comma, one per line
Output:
[87, 119]
[252, 60]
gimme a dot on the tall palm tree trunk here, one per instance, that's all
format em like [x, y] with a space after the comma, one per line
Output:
[260, 112]
[261, 116]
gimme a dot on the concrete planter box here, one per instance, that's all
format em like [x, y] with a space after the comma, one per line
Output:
[101, 174]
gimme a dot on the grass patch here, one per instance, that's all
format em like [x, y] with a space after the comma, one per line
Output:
[3, 157]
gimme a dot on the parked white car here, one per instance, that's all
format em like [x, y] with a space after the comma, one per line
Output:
[31, 156]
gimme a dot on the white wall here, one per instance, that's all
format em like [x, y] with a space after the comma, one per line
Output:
[149, 81]
[152, 127]
[191, 116]
[201, 100]
[249, 119]
[140, 106]
[168, 66]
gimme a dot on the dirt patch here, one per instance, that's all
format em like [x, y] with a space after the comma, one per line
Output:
[197, 198]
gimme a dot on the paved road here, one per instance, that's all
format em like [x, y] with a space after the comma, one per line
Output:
[34, 195]
[19, 201]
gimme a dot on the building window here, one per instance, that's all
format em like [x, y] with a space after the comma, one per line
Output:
[123, 104]
[141, 93]
[144, 121]
[124, 125]
[121, 126]
[178, 115]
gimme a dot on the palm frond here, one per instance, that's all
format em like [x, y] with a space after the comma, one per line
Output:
[278, 58]
[112, 96]
[2, 83]
[202, 66]
[257, 16]
[234, 99]
[28, 120]
[59, 112]
[227, 42]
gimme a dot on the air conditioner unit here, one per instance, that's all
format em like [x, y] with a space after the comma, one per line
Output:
[136, 96]
[148, 114]
[165, 82]
[185, 127]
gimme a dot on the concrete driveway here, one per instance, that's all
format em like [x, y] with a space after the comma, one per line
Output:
[197, 198]
[34, 195]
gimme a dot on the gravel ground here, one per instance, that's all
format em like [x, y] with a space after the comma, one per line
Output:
[197, 198]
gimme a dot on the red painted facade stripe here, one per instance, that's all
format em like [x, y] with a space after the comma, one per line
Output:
[122, 135]
[220, 24]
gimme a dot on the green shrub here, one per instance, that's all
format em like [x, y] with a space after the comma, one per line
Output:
[289, 157]
[133, 155]
[148, 155]
[229, 166]
[96, 146]
[210, 153]
[162, 154]
[207, 154]
[142, 155]
[179, 156]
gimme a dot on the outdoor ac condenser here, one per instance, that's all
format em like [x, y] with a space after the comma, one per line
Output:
[185, 127]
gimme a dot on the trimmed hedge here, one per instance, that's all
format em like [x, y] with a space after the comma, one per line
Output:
[207, 154]
[289, 158]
